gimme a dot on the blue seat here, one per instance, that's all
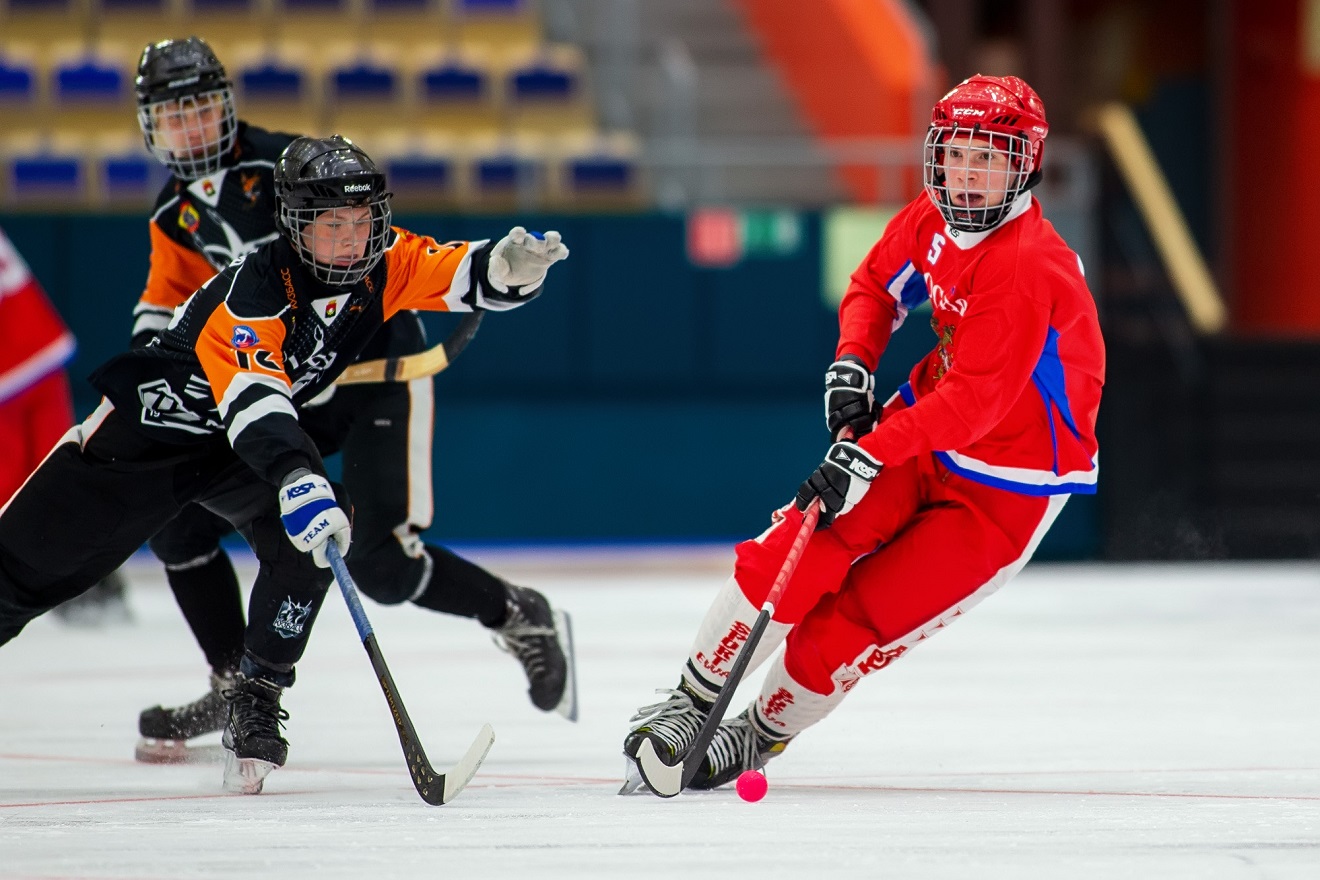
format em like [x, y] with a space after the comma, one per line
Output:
[499, 7]
[412, 173]
[88, 80]
[452, 80]
[272, 80]
[18, 82]
[595, 174]
[540, 81]
[45, 176]
[362, 79]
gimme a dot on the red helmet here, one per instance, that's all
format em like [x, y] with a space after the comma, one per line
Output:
[1002, 113]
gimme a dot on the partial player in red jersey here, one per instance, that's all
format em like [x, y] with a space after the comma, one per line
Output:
[939, 498]
[35, 405]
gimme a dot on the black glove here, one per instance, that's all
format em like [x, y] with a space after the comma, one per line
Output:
[840, 481]
[849, 397]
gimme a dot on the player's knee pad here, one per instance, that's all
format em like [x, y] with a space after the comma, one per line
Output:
[191, 537]
[387, 574]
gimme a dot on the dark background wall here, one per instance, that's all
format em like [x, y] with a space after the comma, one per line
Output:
[640, 398]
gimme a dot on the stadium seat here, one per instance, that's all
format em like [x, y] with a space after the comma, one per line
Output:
[123, 173]
[274, 87]
[423, 170]
[405, 24]
[597, 171]
[317, 21]
[44, 21]
[91, 88]
[454, 90]
[226, 23]
[44, 172]
[545, 90]
[135, 22]
[363, 90]
[504, 173]
[20, 79]
[496, 23]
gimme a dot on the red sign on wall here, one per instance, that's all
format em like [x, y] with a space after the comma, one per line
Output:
[714, 237]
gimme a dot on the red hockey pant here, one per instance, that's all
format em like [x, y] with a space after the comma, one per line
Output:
[31, 423]
[922, 546]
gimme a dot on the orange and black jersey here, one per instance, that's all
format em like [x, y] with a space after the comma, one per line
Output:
[264, 336]
[198, 227]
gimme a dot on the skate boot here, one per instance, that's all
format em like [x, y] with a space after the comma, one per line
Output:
[165, 731]
[252, 735]
[541, 638]
[670, 725]
[740, 744]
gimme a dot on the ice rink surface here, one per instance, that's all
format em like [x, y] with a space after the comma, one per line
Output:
[1086, 722]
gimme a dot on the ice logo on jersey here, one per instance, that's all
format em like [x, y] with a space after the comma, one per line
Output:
[291, 619]
[163, 408]
[244, 337]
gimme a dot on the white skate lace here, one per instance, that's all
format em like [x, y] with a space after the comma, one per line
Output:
[522, 640]
[675, 720]
[734, 744]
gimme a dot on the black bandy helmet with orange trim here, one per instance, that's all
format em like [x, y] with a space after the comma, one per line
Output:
[185, 106]
[983, 149]
[327, 178]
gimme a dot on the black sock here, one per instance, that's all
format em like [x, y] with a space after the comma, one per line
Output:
[463, 589]
[210, 600]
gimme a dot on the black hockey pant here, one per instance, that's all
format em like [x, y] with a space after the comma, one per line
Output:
[105, 489]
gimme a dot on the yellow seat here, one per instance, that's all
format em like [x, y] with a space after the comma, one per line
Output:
[225, 24]
[453, 89]
[363, 89]
[135, 22]
[276, 87]
[316, 21]
[122, 174]
[495, 23]
[424, 170]
[44, 171]
[545, 89]
[22, 94]
[44, 21]
[505, 172]
[90, 88]
[597, 172]
[405, 25]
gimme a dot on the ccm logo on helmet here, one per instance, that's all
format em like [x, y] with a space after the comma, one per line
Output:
[356, 187]
[968, 111]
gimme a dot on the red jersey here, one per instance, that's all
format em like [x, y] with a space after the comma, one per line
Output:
[1009, 395]
[34, 342]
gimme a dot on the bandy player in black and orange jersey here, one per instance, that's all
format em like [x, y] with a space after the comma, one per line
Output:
[208, 414]
[219, 206]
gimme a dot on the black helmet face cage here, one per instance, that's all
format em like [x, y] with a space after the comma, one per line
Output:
[974, 175]
[190, 134]
[348, 250]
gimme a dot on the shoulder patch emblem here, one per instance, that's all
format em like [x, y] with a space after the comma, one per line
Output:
[189, 219]
[244, 337]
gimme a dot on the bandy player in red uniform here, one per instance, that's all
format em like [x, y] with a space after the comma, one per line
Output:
[945, 497]
[35, 405]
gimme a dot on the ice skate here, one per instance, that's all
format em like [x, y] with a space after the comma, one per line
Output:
[739, 745]
[252, 740]
[670, 726]
[541, 638]
[165, 732]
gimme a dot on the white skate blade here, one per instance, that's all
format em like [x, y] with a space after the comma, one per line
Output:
[245, 775]
[660, 777]
[568, 704]
[176, 751]
[632, 778]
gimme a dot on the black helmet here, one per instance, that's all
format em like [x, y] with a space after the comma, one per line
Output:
[314, 175]
[185, 106]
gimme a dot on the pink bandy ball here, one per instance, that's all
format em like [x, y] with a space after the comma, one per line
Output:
[752, 786]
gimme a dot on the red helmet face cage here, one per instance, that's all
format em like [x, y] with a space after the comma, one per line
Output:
[983, 149]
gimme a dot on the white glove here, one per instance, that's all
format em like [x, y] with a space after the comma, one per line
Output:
[521, 259]
[311, 516]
